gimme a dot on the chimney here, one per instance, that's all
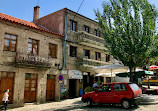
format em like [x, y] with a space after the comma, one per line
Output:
[36, 14]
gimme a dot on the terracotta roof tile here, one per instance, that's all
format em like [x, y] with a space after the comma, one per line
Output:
[25, 23]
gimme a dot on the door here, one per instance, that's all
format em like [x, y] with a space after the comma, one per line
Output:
[119, 92]
[104, 94]
[72, 88]
[50, 90]
[30, 87]
[7, 82]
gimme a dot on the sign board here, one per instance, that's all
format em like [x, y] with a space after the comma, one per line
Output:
[60, 82]
[60, 77]
[63, 72]
[75, 74]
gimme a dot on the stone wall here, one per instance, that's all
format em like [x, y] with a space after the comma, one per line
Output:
[7, 60]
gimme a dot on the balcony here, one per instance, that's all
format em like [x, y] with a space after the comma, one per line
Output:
[91, 63]
[87, 39]
[31, 60]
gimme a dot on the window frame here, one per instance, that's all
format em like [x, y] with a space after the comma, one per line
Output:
[85, 28]
[56, 50]
[97, 54]
[10, 44]
[73, 25]
[97, 32]
[84, 53]
[71, 53]
[107, 58]
[33, 44]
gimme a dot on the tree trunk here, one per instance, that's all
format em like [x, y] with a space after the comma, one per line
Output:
[132, 70]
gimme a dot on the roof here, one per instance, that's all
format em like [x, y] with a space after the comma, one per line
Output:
[25, 23]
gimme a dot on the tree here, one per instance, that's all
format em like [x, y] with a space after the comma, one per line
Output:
[129, 30]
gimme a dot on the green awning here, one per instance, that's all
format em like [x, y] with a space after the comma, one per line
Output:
[138, 74]
[149, 72]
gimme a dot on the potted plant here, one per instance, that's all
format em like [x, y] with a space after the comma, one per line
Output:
[88, 89]
[66, 94]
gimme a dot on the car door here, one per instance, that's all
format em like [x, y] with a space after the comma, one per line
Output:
[104, 94]
[119, 91]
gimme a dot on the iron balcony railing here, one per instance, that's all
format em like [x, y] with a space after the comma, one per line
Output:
[34, 60]
[85, 37]
[90, 62]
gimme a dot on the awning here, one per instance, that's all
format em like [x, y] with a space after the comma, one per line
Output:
[138, 74]
[75, 74]
[110, 69]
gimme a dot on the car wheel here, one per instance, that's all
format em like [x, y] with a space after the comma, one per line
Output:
[126, 104]
[89, 102]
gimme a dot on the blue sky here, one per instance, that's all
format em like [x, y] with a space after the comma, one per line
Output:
[23, 9]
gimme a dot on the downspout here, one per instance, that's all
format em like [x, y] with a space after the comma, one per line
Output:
[65, 39]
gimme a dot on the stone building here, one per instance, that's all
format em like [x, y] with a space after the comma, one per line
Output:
[30, 58]
[84, 47]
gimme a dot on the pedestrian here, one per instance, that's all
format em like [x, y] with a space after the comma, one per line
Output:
[5, 99]
[95, 85]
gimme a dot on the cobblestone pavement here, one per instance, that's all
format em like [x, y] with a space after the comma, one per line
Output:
[77, 105]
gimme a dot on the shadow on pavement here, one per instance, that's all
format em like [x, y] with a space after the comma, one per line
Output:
[83, 107]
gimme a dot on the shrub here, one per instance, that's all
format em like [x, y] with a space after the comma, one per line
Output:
[88, 89]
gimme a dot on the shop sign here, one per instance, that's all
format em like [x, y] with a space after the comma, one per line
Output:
[75, 74]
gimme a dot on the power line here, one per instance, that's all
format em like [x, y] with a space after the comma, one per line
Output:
[78, 9]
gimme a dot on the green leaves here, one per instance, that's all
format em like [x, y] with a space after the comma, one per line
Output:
[128, 27]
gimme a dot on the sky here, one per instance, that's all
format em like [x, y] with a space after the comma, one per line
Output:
[23, 9]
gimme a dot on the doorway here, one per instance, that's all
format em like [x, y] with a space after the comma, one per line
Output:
[50, 90]
[30, 87]
[72, 88]
[7, 82]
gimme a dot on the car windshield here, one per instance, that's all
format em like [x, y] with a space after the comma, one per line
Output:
[134, 86]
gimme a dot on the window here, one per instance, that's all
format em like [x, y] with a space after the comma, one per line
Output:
[53, 50]
[107, 58]
[97, 56]
[134, 86]
[119, 87]
[105, 88]
[97, 33]
[33, 46]
[86, 28]
[73, 51]
[73, 25]
[10, 42]
[86, 53]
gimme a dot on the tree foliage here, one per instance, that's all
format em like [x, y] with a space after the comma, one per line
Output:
[129, 30]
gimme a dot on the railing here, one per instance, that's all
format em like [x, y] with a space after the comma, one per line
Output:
[84, 37]
[91, 62]
[33, 60]
[91, 37]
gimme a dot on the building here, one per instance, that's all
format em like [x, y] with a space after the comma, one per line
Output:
[84, 47]
[30, 58]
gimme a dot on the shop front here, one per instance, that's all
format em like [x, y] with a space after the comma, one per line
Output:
[75, 81]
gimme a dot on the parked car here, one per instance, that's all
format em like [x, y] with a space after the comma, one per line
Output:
[149, 91]
[126, 94]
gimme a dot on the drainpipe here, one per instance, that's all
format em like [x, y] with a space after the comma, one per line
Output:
[65, 39]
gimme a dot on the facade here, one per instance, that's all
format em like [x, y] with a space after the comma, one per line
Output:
[30, 57]
[34, 54]
[84, 48]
